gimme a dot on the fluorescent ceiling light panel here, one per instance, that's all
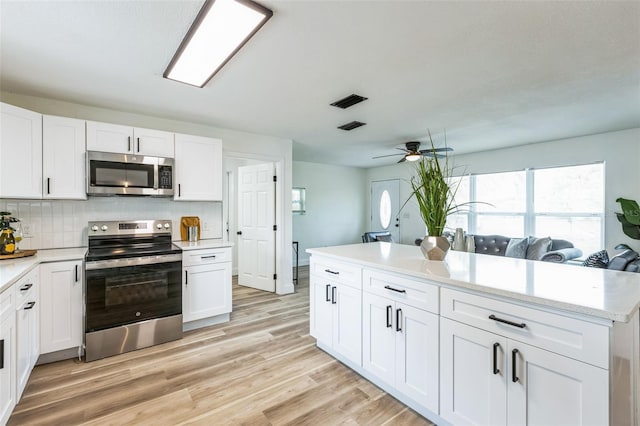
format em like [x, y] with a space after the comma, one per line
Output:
[221, 28]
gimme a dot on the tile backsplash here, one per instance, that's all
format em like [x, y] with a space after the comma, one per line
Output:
[63, 223]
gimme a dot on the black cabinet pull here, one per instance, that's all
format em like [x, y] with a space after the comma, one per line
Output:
[388, 287]
[48, 185]
[239, 232]
[495, 358]
[30, 305]
[179, 192]
[26, 287]
[76, 273]
[326, 293]
[515, 324]
[128, 143]
[329, 271]
[138, 144]
[186, 278]
[514, 373]
[398, 318]
[1, 354]
[333, 296]
[213, 256]
[389, 313]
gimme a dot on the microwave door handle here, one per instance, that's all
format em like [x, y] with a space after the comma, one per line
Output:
[155, 173]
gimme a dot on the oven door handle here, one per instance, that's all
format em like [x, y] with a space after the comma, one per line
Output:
[132, 261]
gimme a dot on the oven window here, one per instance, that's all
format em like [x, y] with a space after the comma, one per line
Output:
[125, 295]
[136, 288]
[121, 175]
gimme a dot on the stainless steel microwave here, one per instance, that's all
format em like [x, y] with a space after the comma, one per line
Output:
[129, 174]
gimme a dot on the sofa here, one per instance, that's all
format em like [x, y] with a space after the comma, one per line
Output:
[559, 251]
[544, 249]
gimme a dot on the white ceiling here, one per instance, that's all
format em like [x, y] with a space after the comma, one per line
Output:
[492, 73]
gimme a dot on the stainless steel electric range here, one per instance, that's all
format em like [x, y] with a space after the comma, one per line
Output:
[133, 294]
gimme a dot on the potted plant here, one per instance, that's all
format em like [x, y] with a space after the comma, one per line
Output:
[629, 218]
[434, 190]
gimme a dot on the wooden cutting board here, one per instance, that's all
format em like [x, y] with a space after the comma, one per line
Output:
[185, 223]
[21, 253]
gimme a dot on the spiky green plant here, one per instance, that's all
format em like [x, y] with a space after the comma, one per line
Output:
[434, 190]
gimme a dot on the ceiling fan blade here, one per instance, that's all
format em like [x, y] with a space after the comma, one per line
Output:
[431, 154]
[382, 156]
[403, 159]
[422, 151]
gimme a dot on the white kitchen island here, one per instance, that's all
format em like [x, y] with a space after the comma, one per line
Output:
[481, 339]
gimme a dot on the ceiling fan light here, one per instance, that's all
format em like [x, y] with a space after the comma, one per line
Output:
[412, 157]
[219, 31]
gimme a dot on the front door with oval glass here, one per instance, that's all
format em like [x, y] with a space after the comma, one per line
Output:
[385, 205]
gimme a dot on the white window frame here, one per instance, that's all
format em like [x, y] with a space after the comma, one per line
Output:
[529, 215]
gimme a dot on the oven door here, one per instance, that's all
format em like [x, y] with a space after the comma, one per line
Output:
[125, 291]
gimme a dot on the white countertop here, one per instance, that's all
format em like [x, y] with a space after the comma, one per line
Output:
[13, 269]
[601, 293]
[203, 244]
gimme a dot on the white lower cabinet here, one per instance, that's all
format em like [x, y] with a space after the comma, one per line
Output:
[336, 310]
[489, 379]
[400, 347]
[61, 306]
[27, 328]
[206, 283]
[7, 355]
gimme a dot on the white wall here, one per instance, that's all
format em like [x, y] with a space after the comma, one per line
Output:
[336, 200]
[235, 144]
[619, 150]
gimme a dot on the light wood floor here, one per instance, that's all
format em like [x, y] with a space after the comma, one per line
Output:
[261, 368]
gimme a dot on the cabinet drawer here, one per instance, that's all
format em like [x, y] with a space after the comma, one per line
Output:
[336, 271]
[581, 340]
[7, 299]
[418, 294]
[206, 256]
[25, 287]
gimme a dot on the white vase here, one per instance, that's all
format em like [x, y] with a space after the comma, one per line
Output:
[458, 240]
[434, 248]
[471, 244]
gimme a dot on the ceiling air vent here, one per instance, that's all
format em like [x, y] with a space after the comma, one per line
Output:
[349, 101]
[352, 125]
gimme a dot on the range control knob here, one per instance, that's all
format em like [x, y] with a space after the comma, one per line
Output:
[167, 226]
[95, 228]
[159, 226]
[104, 227]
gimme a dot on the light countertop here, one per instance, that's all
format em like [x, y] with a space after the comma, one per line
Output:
[601, 293]
[203, 244]
[13, 269]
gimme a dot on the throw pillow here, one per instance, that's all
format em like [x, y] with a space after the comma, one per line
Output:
[537, 247]
[599, 259]
[517, 248]
[384, 238]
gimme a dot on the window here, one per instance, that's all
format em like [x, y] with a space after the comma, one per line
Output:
[385, 209]
[561, 202]
[298, 200]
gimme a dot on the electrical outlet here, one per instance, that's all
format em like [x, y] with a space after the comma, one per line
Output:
[26, 230]
[205, 226]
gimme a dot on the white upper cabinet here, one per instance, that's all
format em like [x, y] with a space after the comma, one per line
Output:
[20, 153]
[107, 137]
[153, 142]
[63, 158]
[120, 139]
[198, 174]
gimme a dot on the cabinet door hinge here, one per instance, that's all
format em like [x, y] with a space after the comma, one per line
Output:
[275, 178]
[275, 276]
[275, 227]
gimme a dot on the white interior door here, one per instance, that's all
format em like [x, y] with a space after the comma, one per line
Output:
[385, 206]
[256, 221]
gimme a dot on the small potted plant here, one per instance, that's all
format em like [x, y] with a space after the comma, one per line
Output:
[629, 218]
[434, 190]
